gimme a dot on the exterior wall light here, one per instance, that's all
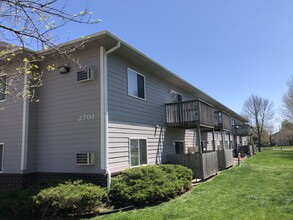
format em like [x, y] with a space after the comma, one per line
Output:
[63, 69]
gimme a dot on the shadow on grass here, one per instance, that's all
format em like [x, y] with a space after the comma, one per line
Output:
[288, 155]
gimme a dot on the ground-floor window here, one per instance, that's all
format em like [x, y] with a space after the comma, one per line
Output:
[138, 151]
[1, 157]
[179, 147]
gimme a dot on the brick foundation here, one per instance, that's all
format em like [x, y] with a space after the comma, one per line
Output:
[20, 181]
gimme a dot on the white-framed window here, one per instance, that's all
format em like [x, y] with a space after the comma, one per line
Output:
[1, 156]
[2, 88]
[136, 84]
[179, 147]
[138, 151]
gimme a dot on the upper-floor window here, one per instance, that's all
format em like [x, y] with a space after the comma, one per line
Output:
[2, 88]
[175, 96]
[136, 84]
[1, 157]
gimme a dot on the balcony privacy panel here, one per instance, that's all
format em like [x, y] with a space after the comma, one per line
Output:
[222, 121]
[242, 130]
[189, 114]
[225, 158]
[203, 165]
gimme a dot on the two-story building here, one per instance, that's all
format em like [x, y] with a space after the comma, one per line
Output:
[120, 109]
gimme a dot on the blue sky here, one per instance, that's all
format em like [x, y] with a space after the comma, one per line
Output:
[229, 49]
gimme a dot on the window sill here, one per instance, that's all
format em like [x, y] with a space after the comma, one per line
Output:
[137, 97]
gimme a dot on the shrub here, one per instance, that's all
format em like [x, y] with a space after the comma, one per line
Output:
[70, 198]
[18, 202]
[150, 184]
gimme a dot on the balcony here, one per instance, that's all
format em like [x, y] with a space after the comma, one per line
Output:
[222, 121]
[189, 114]
[242, 130]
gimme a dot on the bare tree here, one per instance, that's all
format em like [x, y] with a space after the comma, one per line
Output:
[33, 24]
[287, 108]
[259, 112]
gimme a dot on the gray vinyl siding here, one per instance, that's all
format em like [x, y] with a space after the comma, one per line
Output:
[130, 117]
[60, 133]
[128, 109]
[11, 133]
[32, 137]
[160, 143]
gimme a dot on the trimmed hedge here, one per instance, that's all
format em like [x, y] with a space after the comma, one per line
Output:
[151, 184]
[69, 198]
[140, 186]
[18, 202]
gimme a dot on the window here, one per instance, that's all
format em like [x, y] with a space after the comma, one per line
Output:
[138, 152]
[176, 97]
[1, 157]
[179, 147]
[136, 84]
[2, 88]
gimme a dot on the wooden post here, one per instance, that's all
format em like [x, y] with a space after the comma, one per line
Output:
[222, 137]
[199, 138]
[229, 134]
[198, 128]
[214, 143]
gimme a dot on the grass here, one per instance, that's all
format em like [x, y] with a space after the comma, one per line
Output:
[261, 188]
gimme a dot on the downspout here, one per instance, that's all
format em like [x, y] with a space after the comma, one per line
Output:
[25, 116]
[104, 109]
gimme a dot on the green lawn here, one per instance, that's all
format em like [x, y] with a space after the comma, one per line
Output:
[261, 188]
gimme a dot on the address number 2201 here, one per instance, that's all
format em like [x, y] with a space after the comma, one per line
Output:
[86, 117]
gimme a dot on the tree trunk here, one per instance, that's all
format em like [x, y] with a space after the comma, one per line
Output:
[259, 143]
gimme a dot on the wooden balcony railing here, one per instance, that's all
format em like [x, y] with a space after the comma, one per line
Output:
[222, 121]
[242, 130]
[189, 114]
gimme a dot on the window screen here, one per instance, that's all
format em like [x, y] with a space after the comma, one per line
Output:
[136, 84]
[138, 152]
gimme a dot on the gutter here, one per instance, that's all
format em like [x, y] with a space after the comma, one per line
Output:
[104, 109]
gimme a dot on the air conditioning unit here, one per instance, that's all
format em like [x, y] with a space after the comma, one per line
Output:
[191, 150]
[85, 159]
[85, 75]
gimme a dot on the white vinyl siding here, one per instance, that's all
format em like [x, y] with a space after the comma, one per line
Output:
[138, 151]
[2, 88]
[136, 84]
[1, 157]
